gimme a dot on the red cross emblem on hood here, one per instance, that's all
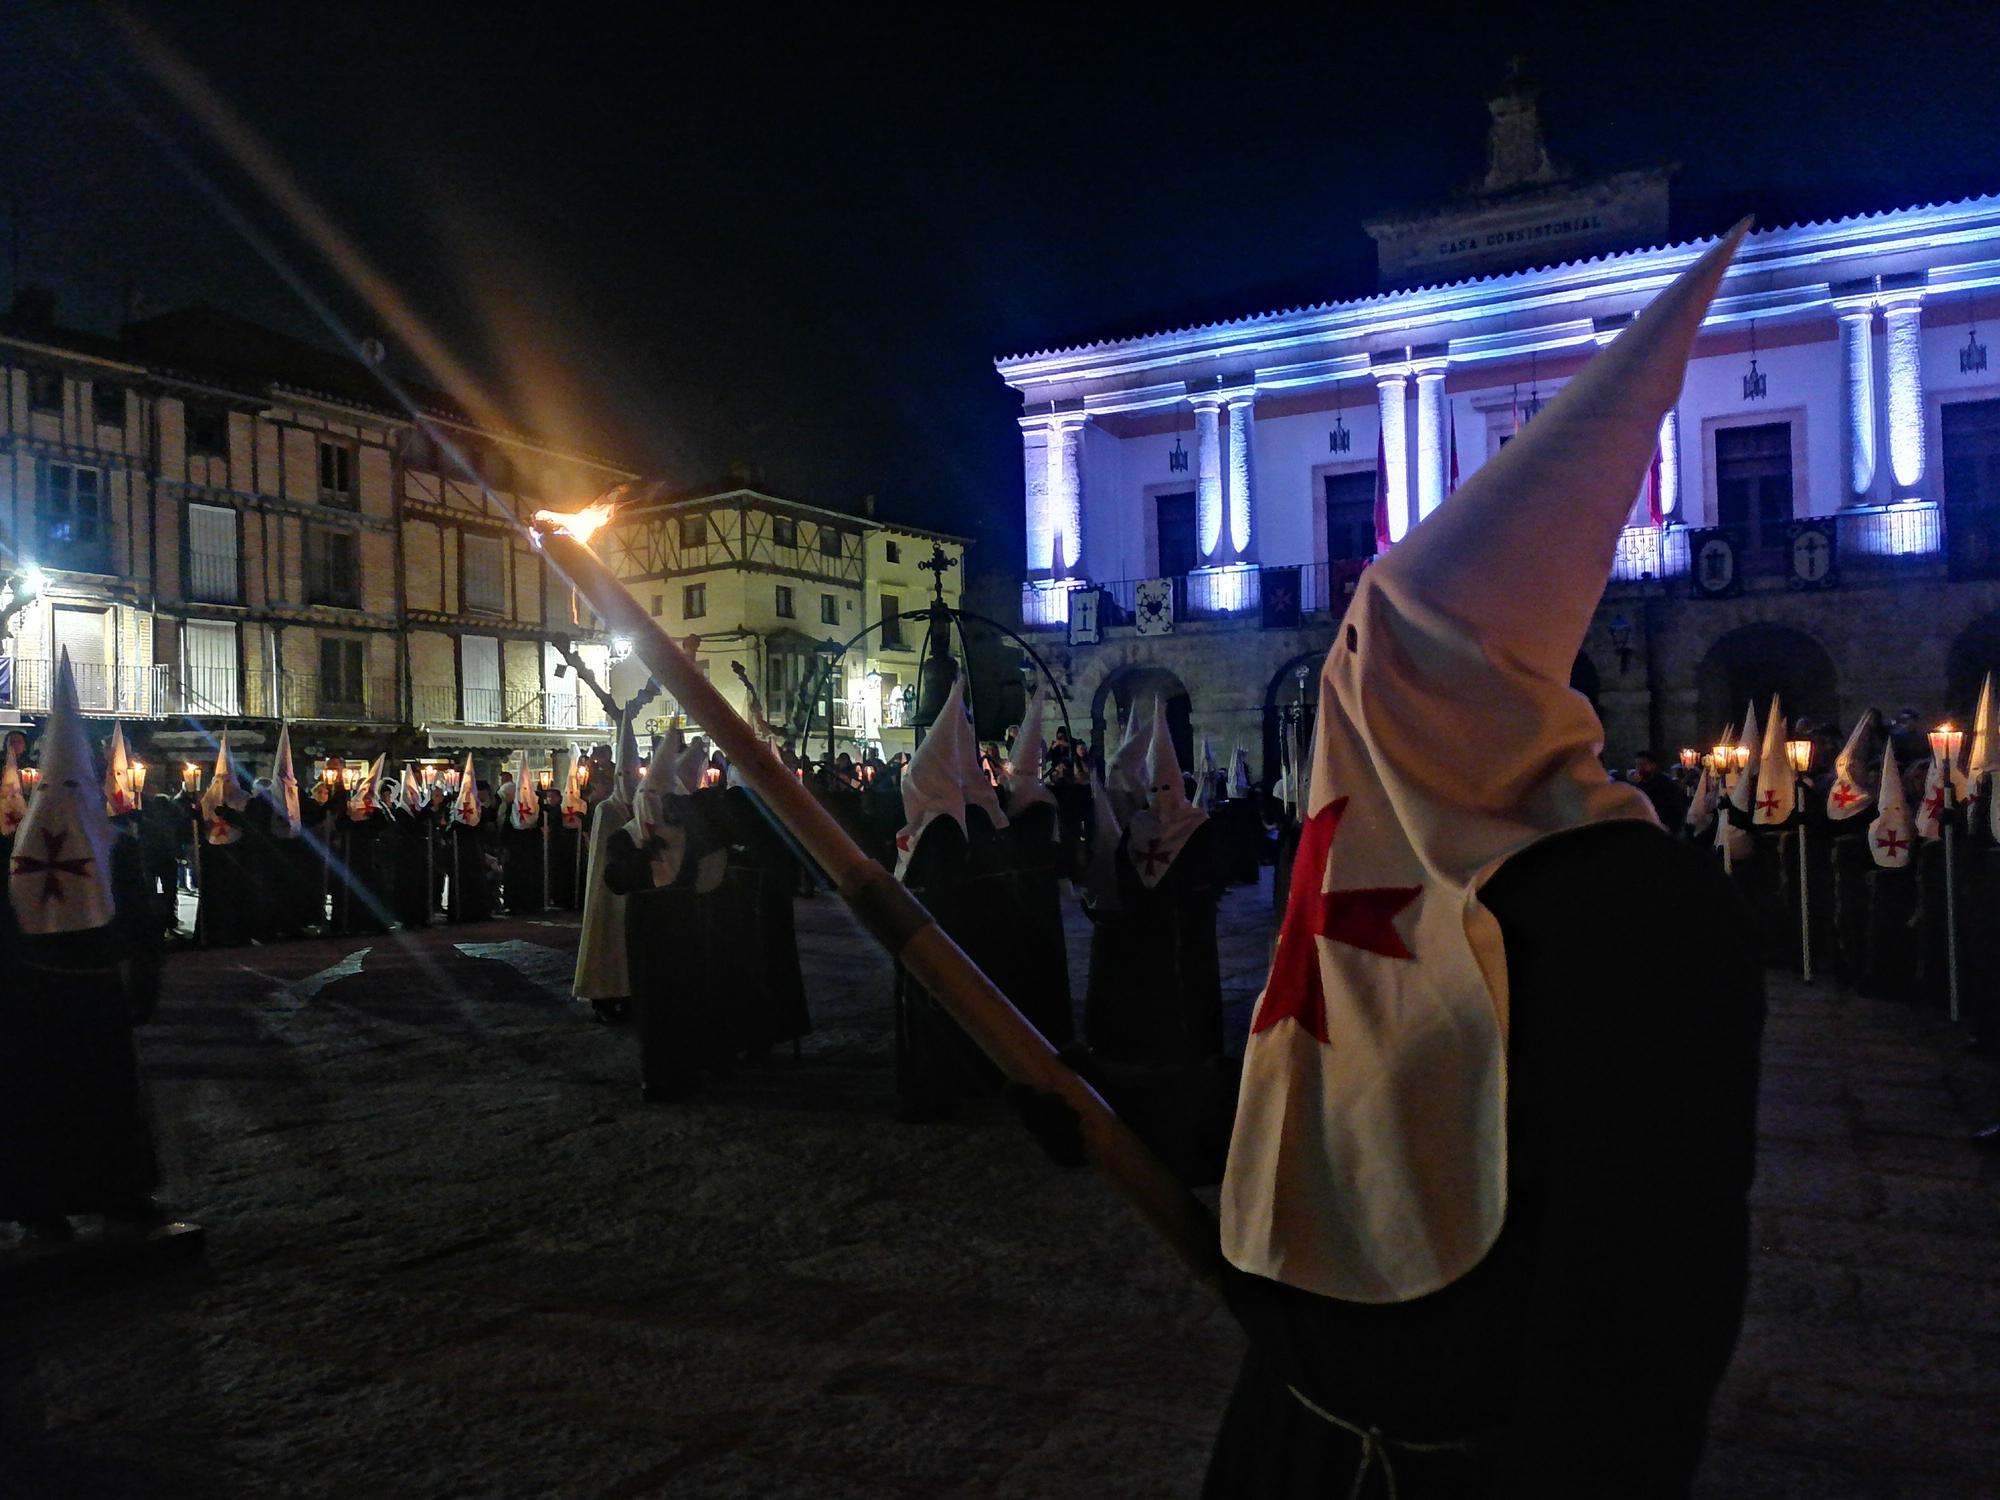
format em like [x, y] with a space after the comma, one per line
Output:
[1364, 919]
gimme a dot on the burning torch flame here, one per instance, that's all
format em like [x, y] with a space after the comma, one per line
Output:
[580, 524]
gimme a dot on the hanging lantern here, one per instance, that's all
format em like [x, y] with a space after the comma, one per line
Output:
[1972, 358]
[1800, 753]
[1177, 457]
[1755, 383]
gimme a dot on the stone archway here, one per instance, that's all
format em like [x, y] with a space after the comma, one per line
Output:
[1974, 652]
[1296, 679]
[1126, 687]
[1755, 661]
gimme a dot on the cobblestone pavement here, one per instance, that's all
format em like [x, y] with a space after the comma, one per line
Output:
[452, 1254]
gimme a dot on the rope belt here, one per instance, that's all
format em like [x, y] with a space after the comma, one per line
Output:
[1376, 1448]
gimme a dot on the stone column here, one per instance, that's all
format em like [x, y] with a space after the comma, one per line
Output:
[1209, 534]
[1431, 457]
[1902, 315]
[1036, 468]
[1237, 482]
[1391, 401]
[1857, 365]
[1066, 495]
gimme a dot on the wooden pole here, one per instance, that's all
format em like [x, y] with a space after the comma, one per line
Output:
[899, 922]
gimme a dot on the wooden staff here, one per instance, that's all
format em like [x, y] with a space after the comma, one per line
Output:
[897, 919]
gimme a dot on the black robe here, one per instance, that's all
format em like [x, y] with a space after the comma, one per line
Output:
[73, 1132]
[470, 863]
[224, 913]
[566, 849]
[1586, 1345]
[1155, 991]
[674, 968]
[363, 874]
[1027, 946]
[521, 857]
[936, 1063]
[749, 923]
[411, 835]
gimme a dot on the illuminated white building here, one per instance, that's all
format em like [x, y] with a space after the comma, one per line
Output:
[1830, 481]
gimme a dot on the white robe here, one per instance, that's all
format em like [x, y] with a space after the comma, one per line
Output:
[600, 952]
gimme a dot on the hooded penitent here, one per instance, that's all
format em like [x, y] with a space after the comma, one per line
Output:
[285, 786]
[1161, 829]
[1206, 776]
[465, 810]
[573, 804]
[1731, 833]
[1701, 806]
[13, 800]
[1848, 796]
[1982, 751]
[1893, 834]
[1241, 783]
[223, 791]
[366, 798]
[1098, 880]
[120, 796]
[1777, 782]
[690, 767]
[524, 809]
[653, 829]
[411, 791]
[1125, 776]
[1369, 1160]
[1024, 774]
[944, 778]
[59, 878]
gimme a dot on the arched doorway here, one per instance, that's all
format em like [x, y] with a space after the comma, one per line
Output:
[1755, 661]
[1292, 690]
[1128, 687]
[1584, 679]
[1975, 653]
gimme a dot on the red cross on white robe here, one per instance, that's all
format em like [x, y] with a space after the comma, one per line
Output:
[1363, 918]
[1845, 796]
[1768, 803]
[1153, 855]
[1891, 841]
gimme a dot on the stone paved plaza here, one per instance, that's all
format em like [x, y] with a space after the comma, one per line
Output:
[451, 1254]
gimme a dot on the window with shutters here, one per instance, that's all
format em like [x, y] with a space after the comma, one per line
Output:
[333, 567]
[45, 390]
[342, 689]
[829, 610]
[784, 598]
[207, 431]
[70, 516]
[829, 541]
[212, 576]
[694, 601]
[1970, 435]
[485, 575]
[107, 403]
[892, 552]
[1753, 483]
[336, 475]
[892, 624]
[1350, 516]
[479, 667]
[208, 668]
[694, 531]
[784, 532]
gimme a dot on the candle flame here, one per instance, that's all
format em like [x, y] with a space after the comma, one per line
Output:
[582, 524]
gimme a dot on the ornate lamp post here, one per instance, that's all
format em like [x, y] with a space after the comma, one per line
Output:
[1946, 742]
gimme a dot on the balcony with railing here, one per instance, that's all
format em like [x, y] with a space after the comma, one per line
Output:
[524, 708]
[1870, 543]
[141, 692]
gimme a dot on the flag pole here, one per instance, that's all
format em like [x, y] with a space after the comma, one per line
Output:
[894, 917]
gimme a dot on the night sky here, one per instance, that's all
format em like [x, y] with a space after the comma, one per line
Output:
[799, 242]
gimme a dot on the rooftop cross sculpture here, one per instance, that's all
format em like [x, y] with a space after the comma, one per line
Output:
[938, 564]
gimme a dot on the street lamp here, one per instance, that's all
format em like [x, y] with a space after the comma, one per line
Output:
[1800, 753]
[832, 651]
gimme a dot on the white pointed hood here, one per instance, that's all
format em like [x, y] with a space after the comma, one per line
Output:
[412, 791]
[691, 767]
[1097, 882]
[943, 778]
[285, 786]
[1893, 833]
[223, 791]
[1205, 777]
[655, 828]
[1159, 831]
[1731, 833]
[366, 798]
[574, 806]
[1125, 773]
[1024, 772]
[120, 796]
[13, 799]
[1369, 1159]
[1241, 782]
[1701, 805]
[524, 809]
[1777, 782]
[465, 810]
[1848, 795]
[1982, 751]
[59, 878]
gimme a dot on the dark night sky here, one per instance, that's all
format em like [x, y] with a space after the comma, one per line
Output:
[718, 234]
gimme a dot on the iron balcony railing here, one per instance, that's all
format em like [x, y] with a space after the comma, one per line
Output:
[142, 692]
[527, 708]
[1869, 542]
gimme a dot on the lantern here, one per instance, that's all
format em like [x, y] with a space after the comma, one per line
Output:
[712, 776]
[1946, 742]
[1800, 753]
[545, 779]
[1690, 758]
[1740, 756]
[135, 780]
[30, 778]
[190, 776]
